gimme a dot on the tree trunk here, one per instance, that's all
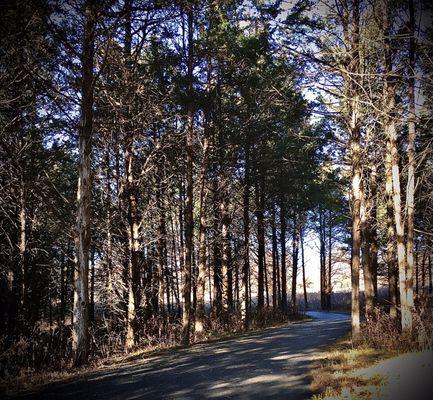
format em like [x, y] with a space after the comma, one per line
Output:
[410, 191]
[295, 260]
[373, 228]
[266, 280]
[367, 261]
[176, 269]
[217, 261]
[202, 256]
[237, 280]
[108, 241]
[80, 333]
[322, 238]
[304, 280]
[261, 249]
[416, 277]
[390, 237]
[430, 273]
[193, 284]
[391, 133]
[189, 222]
[133, 266]
[356, 236]
[351, 36]
[423, 272]
[274, 261]
[245, 310]
[225, 259]
[63, 287]
[204, 194]
[181, 235]
[163, 287]
[329, 272]
[21, 278]
[230, 286]
[209, 271]
[133, 273]
[283, 257]
[92, 286]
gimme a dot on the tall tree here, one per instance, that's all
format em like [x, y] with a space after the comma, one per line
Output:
[80, 336]
[410, 190]
[133, 271]
[391, 134]
[189, 222]
[350, 20]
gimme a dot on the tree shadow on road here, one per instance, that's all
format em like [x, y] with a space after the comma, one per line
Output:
[272, 364]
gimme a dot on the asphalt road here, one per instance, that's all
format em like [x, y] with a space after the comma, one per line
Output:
[271, 364]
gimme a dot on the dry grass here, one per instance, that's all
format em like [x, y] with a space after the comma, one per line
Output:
[381, 338]
[332, 373]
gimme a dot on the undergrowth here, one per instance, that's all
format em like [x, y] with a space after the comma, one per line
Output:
[45, 354]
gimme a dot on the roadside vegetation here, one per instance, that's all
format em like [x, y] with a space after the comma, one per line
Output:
[349, 370]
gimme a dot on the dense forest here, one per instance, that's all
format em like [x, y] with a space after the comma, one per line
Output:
[162, 164]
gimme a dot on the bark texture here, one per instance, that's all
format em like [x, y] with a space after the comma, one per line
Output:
[80, 333]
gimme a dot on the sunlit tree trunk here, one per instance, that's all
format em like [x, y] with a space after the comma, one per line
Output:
[181, 247]
[266, 280]
[133, 273]
[391, 133]
[391, 260]
[356, 235]
[21, 278]
[237, 278]
[202, 254]
[373, 228]
[80, 333]
[367, 260]
[217, 253]
[92, 286]
[177, 265]
[63, 287]
[133, 266]
[351, 34]
[227, 297]
[410, 191]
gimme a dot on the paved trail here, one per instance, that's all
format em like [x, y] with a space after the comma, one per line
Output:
[272, 364]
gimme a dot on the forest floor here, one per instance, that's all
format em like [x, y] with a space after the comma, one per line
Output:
[273, 363]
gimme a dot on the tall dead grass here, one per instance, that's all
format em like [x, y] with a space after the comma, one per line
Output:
[383, 332]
